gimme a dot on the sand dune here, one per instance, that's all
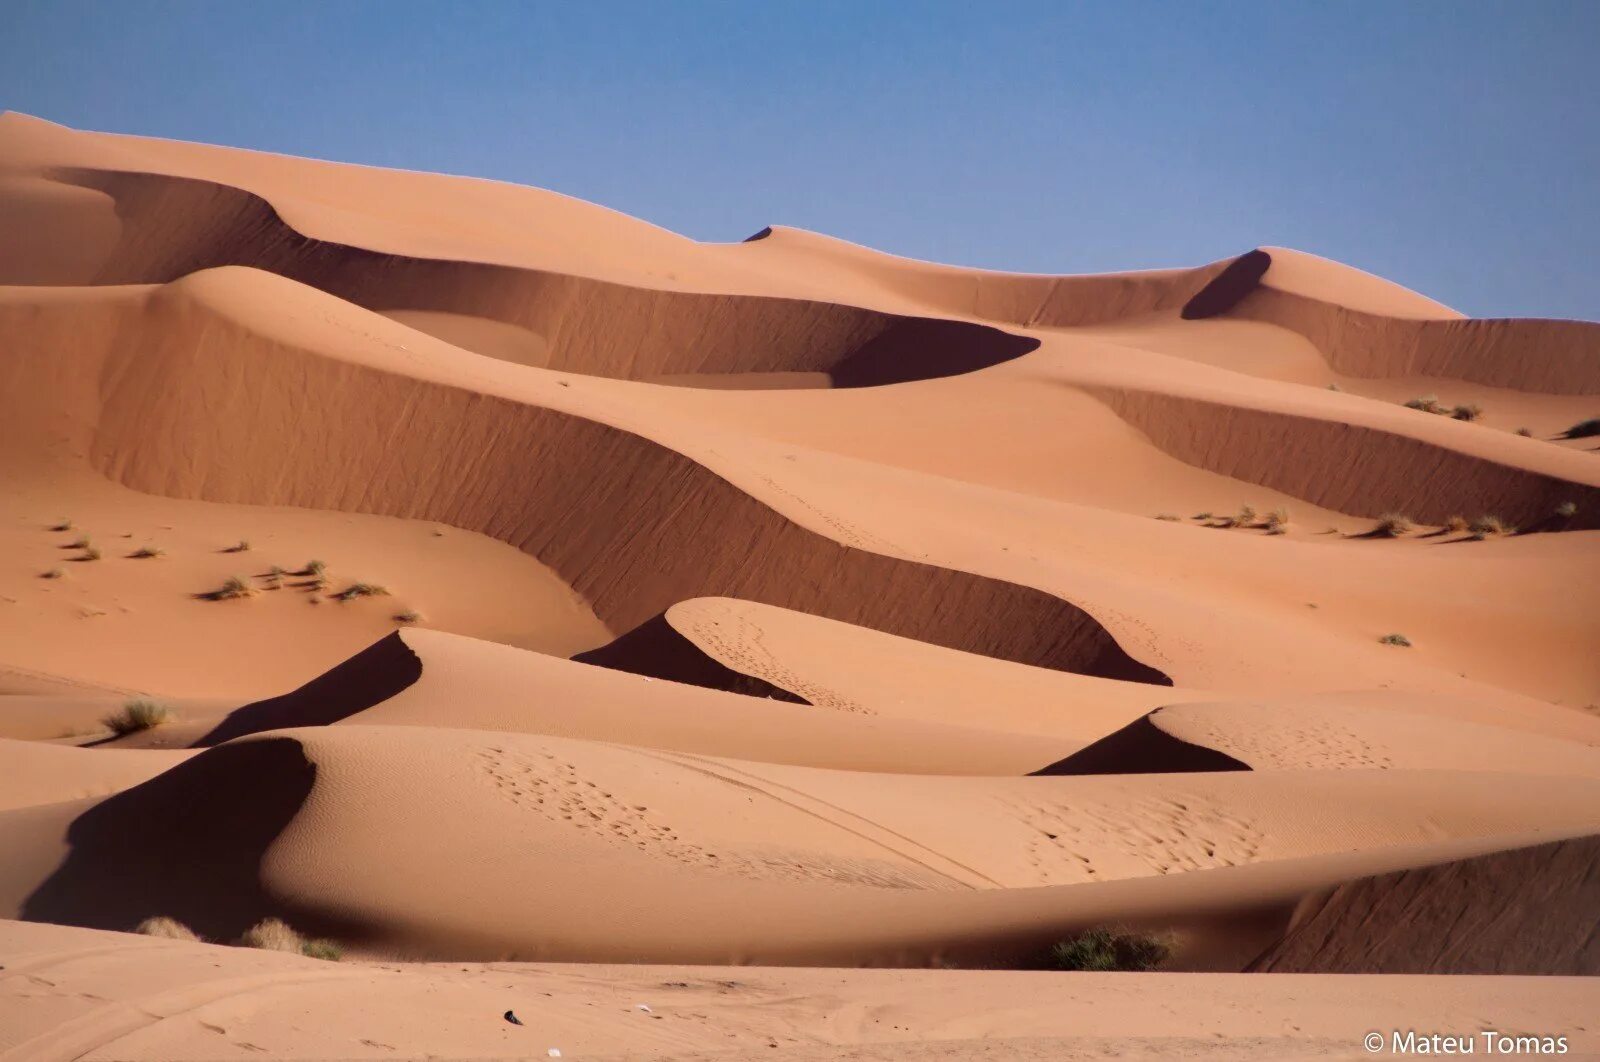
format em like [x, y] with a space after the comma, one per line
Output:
[773, 602]
[1530, 909]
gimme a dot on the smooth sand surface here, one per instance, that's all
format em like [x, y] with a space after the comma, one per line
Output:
[781, 602]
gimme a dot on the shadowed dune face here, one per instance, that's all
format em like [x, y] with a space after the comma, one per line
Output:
[1141, 747]
[1237, 280]
[372, 676]
[172, 226]
[1553, 357]
[188, 844]
[1528, 911]
[1354, 469]
[656, 649]
[632, 526]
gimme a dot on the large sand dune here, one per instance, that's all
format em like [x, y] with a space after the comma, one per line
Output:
[774, 602]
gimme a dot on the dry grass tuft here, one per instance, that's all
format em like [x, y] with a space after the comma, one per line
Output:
[1396, 639]
[1457, 525]
[1426, 404]
[147, 551]
[1567, 510]
[274, 934]
[409, 616]
[1467, 411]
[241, 546]
[355, 590]
[233, 588]
[1526, 433]
[1246, 517]
[167, 928]
[1393, 525]
[1277, 521]
[1486, 526]
[136, 715]
[1103, 950]
[53, 573]
[65, 525]
[90, 553]
[1167, 516]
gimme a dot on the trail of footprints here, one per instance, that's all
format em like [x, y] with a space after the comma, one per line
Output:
[549, 786]
[1160, 835]
[745, 650]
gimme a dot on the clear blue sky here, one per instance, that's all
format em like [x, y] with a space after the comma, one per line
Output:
[1451, 146]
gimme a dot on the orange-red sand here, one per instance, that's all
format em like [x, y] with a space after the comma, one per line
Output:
[523, 588]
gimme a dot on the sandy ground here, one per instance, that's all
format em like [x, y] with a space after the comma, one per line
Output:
[770, 605]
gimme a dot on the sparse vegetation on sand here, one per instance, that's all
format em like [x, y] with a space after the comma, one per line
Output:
[1166, 516]
[147, 551]
[1393, 525]
[1457, 525]
[1246, 517]
[274, 934]
[1486, 526]
[408, 617]
[169, 928]
[1396, 639]
[90, 553]
[81, 542]
[241, 546]
[1566, 510]
[1526, 433]
[53, 573]
[1105, 949]
[1277, 521]
[232, 589]
[1202, 516]
[314, 568]
[355, 590]
[136, 715]
[65, 525]
[1584, 429]
[1431, 404]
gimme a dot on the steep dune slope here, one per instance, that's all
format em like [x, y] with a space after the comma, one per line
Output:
[563, 848]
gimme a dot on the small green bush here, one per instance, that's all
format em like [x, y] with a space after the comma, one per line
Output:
[1110, 949]
[136, 715]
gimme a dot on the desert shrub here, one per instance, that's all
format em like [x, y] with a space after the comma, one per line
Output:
[1567, 510]
[1246, 517]
[408, 616]
[1396, 639]
[1484, 526]
[1393, 524]
[81, 542]
[313, 568]
[1277, 521]
[274, 934]
[1426, 404]
[232, 589]
[1202, 516]
[1166, 516]
[241, 546]
[169, 928]
[65, 525]
[90, 553]
[1110, 949]
[1584, 429]
[1456, 525]
[1526, 433]
[53, 573]
[148, 551]
[1467, 411]
[136, 715]
[355, 590]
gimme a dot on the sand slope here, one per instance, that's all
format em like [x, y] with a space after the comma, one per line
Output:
[782, 601]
